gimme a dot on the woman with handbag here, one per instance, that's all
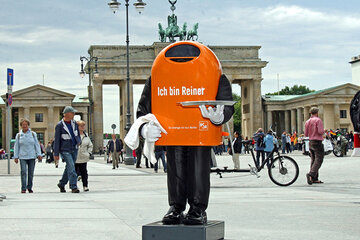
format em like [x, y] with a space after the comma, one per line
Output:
[85, 150]
[27, 149]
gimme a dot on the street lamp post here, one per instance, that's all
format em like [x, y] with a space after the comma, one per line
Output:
[95, 74]
[114, 6]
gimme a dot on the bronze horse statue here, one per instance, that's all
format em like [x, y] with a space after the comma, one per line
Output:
[183, 32]
[193, 33]
[162, 36]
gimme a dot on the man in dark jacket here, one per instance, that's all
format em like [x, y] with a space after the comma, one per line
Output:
[160, 153]
[139, 152]
[283, 142]
[188, 167]
[259, 138]
[237, 145]
[115, 147]
[66, 142]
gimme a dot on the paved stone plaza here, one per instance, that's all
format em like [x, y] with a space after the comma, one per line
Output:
[121, 201]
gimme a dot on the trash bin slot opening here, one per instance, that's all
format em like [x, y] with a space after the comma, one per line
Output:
[183, 50]
[181, 59]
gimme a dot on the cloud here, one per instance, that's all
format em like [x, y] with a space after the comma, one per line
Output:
[299, 15]
[304, 45]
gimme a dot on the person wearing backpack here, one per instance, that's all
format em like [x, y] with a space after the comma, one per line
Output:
[27, 149]
[269, 145]
[259, 138]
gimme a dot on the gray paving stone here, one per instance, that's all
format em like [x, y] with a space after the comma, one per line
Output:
[121, 201]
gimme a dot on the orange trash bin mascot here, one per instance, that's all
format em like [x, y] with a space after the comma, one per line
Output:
[186, 71]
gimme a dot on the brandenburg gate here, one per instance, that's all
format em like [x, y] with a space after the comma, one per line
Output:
[241, 64]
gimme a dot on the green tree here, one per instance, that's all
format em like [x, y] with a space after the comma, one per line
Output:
[237, 113]
[294, 90]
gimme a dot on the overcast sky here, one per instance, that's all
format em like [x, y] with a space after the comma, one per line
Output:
[307, 42]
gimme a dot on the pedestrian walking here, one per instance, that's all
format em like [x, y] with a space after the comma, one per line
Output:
[301, 142]
[66, 143]
[147, 162]
[85, 150]
[269, 146]
[56, 162]
[160, 154]
[49, 152]
[134, 156]
[288, 143]
[115, 147]
[2, 153]
[27, 149]
[226, 144]
[247, 145]
[351, 140]
[343, 142]
[259, 138]
[138, 152]
[283, 142]
[42, 149]
[122, 151]
[237, 145]
[314, 129]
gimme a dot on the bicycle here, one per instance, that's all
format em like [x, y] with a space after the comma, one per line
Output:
[283, 170]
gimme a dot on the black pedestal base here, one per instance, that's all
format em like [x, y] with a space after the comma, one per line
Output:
[214, 230]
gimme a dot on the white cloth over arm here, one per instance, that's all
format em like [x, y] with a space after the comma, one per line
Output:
[132, 138]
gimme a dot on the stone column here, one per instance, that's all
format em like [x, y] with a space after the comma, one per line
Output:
[269, 120]
[246, 124]
[256, 106]
[20, 115]
[287, 121]
[123, 106]
[321, 112]
[122, 110]
[27, 113]
[3, 127]
[306, 113]
[86, 120]
[293, 120]
[336, 116]
[132, 102]
[299, 120]
[51, 125]
[98, 130]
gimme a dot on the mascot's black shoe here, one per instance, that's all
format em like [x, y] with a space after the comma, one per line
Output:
[173, 216]
[195, 216]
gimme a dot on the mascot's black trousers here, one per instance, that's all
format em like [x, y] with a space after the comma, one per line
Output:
[188, 176]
